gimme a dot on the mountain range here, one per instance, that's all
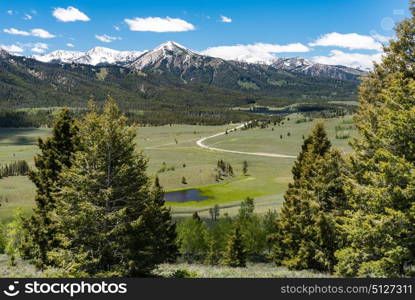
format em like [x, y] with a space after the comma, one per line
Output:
[142, 59]
[168, 74]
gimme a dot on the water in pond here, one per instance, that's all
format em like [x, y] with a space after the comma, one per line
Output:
[184, 196]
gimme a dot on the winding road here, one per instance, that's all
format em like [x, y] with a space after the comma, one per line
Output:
[201, 144]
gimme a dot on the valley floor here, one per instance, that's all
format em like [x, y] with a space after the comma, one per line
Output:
[173, 154]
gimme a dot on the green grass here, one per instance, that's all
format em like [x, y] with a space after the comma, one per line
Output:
[16, 191]
[175, 145]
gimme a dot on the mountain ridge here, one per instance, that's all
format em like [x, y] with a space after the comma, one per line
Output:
[173, 53]
[169, 75]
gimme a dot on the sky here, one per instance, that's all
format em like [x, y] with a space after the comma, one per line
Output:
[348, 32]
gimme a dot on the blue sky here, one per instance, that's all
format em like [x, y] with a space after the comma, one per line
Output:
[329, 31]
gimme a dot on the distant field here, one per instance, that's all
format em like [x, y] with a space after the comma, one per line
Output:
[173, 149]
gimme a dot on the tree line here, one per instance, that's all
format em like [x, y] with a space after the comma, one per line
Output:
[16, 168]
[44, 117]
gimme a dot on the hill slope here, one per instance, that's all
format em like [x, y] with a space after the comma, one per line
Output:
[169, 75]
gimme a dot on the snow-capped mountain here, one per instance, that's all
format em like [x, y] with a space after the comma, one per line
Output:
[191, 66]
[183, 61]
[169, 73]
[95, 56]
[59, 56]
[307, 67]
[172, 55]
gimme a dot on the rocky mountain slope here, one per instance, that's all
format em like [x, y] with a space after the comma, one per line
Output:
[170, 73]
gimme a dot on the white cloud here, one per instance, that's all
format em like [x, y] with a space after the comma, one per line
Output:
[106, 38]
[9, 12]
[41, 33]
[354, 60]
[27, 17]
[15, 31]
[156, 24]
[70, 45]
[225, 19]
[349, 40]
[259, 52]
[40, 47]
[12, 48]
[117, 28]
[381, 38]
[70, 14]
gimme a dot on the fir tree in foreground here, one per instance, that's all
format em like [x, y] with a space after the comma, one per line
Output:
[379, 229]
[55, 153]
[306, 236]
[111, 222]
[234, 254]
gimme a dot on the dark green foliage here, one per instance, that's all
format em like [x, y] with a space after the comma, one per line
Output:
[306, 236]
[247, 208]
[379, 228]
[234, 254]
[111, 223]
[245, 168]
[40, 235]
[224, 168]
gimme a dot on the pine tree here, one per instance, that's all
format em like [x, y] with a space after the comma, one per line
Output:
[245, 168]
[379, 229]
[111, 223]
[56, 152]
[234, 254]
[247, 208]
[306, 235]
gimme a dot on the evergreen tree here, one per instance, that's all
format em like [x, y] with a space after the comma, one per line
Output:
[379, 229]
[234, 254]
[247, 208]
[245, 168]
[55, 153]
[110, 221]
[306, 230]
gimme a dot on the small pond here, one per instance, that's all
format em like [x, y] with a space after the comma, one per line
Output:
[185, 196]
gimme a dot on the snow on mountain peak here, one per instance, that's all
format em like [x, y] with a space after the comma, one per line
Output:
[171, 46]
[94, 56]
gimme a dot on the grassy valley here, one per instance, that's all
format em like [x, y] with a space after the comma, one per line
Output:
[173, 154]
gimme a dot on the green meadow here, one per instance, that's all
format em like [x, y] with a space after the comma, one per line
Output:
[173, 154]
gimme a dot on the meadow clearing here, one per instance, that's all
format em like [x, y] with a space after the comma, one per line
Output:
[174, 154]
